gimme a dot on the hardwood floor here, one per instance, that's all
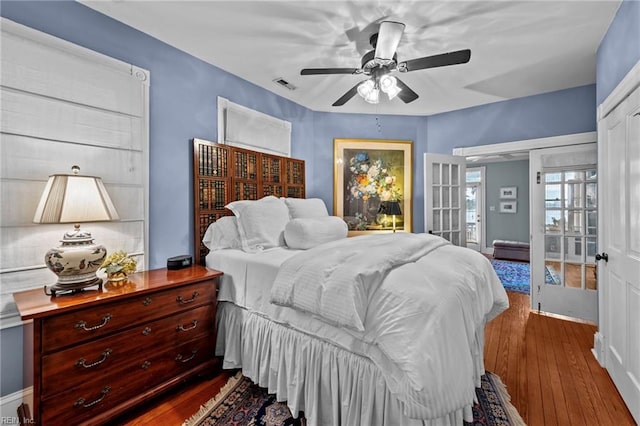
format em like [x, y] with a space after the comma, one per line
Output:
[545, 362]
[549, 370]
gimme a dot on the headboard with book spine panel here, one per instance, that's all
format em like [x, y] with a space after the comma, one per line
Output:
[224, 173]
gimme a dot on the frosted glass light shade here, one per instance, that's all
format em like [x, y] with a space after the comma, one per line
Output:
[365, 88]
[369, 92]
[389, 85]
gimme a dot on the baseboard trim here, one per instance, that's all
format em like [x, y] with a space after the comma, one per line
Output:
[598, 348]
[9, 404]
[11, 320]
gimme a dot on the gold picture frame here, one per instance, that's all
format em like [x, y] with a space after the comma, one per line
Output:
[366, 173]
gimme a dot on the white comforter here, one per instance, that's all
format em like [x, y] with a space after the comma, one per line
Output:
[421, 302]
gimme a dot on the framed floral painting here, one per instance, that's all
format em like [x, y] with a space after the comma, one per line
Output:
[371, 178]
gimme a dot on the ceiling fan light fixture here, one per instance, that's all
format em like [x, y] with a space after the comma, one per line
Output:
[382, 60]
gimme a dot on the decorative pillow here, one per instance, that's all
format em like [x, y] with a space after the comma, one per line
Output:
[306, 207]
[305, 233]
[260, 223]
[222, 234]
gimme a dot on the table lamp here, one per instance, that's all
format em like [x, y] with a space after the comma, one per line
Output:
[390, 208]
[75, 199]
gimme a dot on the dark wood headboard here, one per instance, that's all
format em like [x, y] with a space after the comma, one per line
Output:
[223, 173]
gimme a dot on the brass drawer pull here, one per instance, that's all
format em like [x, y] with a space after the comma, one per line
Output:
[145, 365]
[194, 324]
[82, 362]
[146, 301]
[185, 360]
[182, 301]
[80, 401]
[83, 325]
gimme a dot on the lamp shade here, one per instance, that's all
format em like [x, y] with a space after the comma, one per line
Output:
[390, 208]
[74, 199]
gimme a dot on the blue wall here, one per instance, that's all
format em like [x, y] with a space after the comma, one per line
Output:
[619, 50]
[183, 105]
[550, 114]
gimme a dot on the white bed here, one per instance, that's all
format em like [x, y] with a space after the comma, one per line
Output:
[417, 358]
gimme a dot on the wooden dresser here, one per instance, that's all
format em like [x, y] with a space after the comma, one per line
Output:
[98, 353]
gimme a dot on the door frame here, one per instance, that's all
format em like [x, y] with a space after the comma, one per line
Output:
[483, 205]
[525, 145]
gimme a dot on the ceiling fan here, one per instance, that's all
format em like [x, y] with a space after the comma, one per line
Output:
[379, 63]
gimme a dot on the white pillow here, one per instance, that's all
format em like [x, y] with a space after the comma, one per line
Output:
[222, 234]
[260, 223]
[305, 233]
[306, 207]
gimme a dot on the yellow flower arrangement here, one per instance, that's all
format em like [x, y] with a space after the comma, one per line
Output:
[119, 265]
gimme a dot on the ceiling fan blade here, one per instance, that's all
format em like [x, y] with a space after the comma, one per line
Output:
[444, 59]
[316, 71]
[350, 94]
[389, 36]
[406, 94]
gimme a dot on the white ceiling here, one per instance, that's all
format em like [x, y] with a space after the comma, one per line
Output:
[518, 48]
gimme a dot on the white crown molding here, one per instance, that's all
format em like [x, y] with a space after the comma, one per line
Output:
[622, 90]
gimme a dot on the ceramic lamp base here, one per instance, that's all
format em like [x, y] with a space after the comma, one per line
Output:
[75, 262]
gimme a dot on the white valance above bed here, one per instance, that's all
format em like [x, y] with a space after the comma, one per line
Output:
[247, 128]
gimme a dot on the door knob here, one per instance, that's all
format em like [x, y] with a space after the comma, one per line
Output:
[602, 256]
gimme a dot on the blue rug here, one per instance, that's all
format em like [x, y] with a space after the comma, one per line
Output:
[514, 276]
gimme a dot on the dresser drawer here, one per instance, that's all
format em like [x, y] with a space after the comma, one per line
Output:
[90, 323]
[89, 361]
[88, 400]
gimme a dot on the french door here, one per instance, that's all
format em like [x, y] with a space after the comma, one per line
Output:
[444, 199]
[564, 228]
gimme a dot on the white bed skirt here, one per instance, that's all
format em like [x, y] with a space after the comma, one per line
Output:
[331, 385]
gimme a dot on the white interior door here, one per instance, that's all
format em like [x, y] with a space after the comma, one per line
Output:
[564, 218]
[619, 269]
[444, 197]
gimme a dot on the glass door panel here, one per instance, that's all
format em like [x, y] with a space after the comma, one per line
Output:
[571, 220]
[472, 213]
[444, 206]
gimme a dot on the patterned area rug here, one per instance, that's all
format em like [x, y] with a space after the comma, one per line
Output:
[513, 275]
[241, 403]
